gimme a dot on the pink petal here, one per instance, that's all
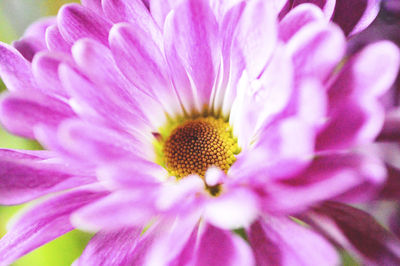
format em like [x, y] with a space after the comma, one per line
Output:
[298, 18]
[96, 106]
[259, 101]
[327, 6]
[54, 40]
[182, 235]
[97, 63]
[140, 58]
[355, 16]
[24, 177]
[316, 49]
[15, 70]
[45, 70]
[235, 208]
[43, 223]
[328, 177]
[133, 11]
[220, 247]
[278, 153]
[131, 174]
[76, 22]
[124, 208]
[160, 9]
[172, 194]
[100, 145]
[28, 47]
[280, 241]
[20, 113]
[110, 248]
[256, 35]
[356, 230]
[362, 80]
[192, 46]
[94, 5]
[33, 40]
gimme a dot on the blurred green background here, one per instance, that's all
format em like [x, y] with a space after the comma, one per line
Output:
[15, 16]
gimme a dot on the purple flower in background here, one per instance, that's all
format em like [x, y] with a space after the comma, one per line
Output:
[198, 132]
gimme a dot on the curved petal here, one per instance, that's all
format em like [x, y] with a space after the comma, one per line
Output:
[54, 40]
[193, 48]
[140, 58]
[316, 50]
[24, 177]
[43, 223]
[358, 231]
[33, 39]
[328, 177]
[110, 248]
[327, 6]
[236, 208]
[45, 70]
[355, 16]
[356, 90]
[121, 209]
[220, 247]
[298, 18]
[76, 22]
[15, 70]
[21, 112]
[280, 241]
[256, 35]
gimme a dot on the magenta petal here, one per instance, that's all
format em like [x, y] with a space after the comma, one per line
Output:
[367, 76]
[220, 247]
[43, 223]
[99, 145]
[15, 70]
[160, 9]
[54, 40]
[191, 37]
[133, 11]
[236, 208]
[328, 177]
[45, 70]
[20, 113]
[356, 230]
[256, 35]
[280, 241]
[182, 235]
[94, 5]
[356, 15]
[33, 40]
[316, 50]
[28, 47]
[298, 18]
[24, 177]
[139, 56]
[110, 248]
[96, 105]
[327, 6]
[76, 22]
[131, 174]
[125, 208]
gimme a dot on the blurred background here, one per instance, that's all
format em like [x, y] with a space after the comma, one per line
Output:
[15, 16]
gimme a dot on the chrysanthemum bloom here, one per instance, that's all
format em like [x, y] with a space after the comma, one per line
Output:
[195, 134]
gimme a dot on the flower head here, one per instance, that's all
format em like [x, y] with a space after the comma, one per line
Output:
[173, 130]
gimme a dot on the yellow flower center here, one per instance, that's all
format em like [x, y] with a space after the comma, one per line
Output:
[196, 144]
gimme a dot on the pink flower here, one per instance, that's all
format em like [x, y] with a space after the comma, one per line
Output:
[171, 133]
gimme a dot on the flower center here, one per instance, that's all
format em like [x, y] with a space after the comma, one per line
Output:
[197, 144]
